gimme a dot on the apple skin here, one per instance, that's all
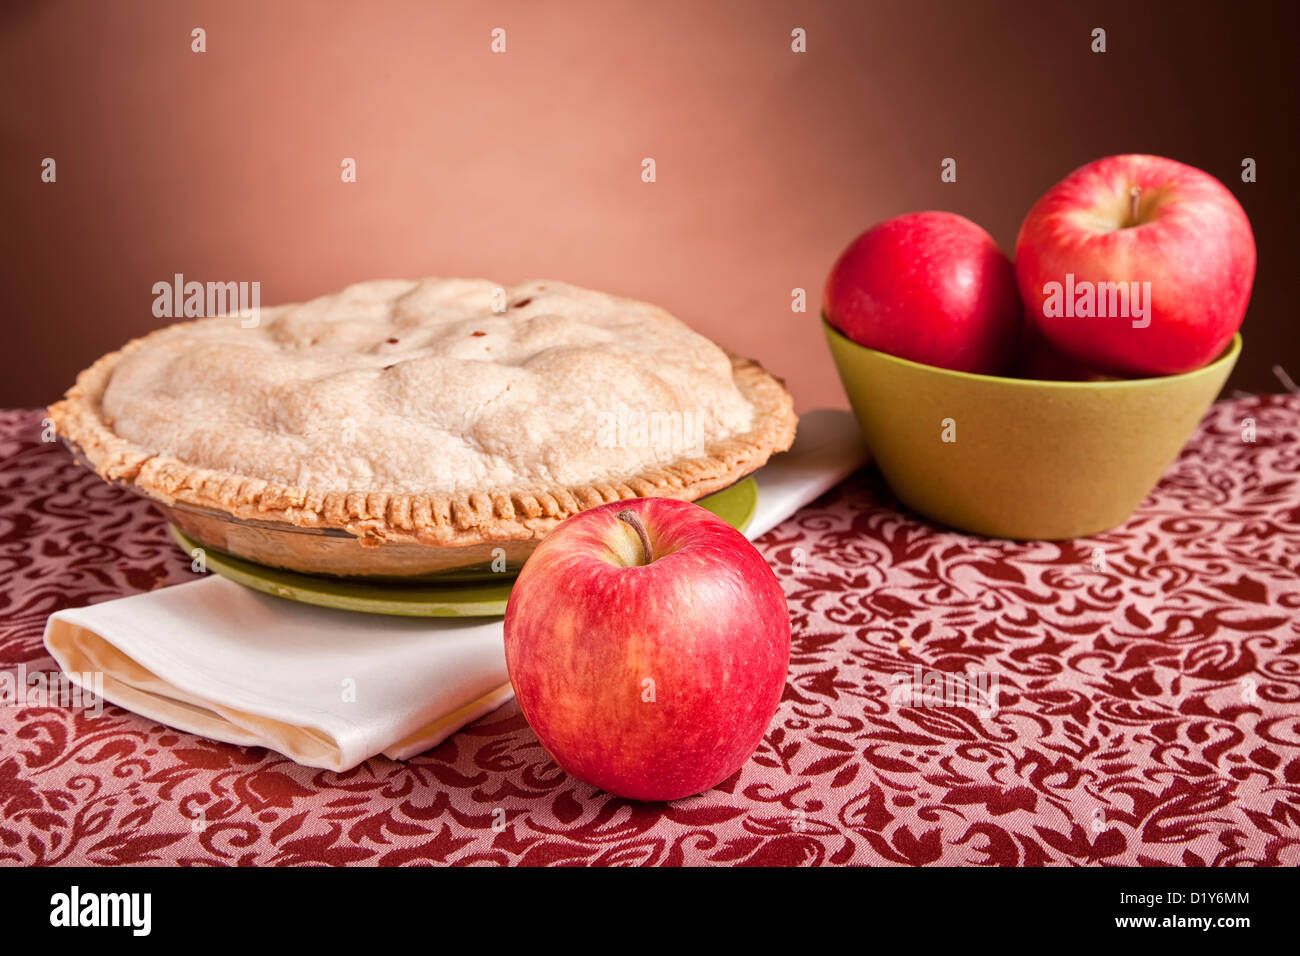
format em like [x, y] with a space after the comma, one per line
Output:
[1038, 359]
[932, 287]
[1192, 242]
[706, 620]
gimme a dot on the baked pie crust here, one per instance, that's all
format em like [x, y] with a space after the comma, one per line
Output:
[454, 415]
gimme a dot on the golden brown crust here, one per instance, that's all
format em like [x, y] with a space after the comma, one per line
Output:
[435, 519]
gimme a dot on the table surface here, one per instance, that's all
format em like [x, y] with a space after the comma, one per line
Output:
[1148, 699]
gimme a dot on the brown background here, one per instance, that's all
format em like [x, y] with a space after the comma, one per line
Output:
[225, 165]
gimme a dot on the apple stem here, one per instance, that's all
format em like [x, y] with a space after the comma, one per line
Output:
[629, 516]
[1133, 194]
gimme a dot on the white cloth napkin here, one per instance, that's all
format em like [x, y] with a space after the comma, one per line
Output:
[332, 688]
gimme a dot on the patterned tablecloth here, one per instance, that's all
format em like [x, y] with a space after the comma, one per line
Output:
[1147, 705]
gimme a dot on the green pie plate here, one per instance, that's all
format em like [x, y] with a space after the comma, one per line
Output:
[454, 598]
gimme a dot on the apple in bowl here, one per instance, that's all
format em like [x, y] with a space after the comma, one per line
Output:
[930, 287]
[1137, 265]
[648, 643]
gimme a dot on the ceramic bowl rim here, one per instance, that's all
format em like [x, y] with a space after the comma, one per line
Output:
[1228, 357]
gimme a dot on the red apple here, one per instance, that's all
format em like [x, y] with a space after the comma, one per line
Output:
[932, 287]
[649, 665]
[1138, 265]
[1037, 358]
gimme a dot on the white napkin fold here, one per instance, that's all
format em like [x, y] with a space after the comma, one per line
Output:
[332, 688]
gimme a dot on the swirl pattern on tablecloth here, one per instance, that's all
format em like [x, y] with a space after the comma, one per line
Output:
[1132, 698]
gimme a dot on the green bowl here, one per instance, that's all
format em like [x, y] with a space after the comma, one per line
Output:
[1028, 459]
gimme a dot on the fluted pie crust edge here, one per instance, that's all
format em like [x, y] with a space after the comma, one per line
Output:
[435, 519]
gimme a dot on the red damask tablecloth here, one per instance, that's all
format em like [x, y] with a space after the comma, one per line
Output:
[1148, 699]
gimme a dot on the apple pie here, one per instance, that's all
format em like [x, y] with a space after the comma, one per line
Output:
[410, 427]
